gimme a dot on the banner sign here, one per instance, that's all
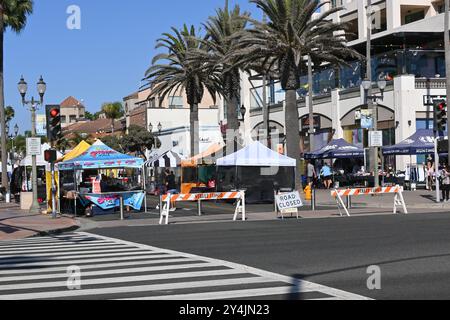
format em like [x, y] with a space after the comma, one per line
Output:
[367, 119]
[289, 201]
[110, 201]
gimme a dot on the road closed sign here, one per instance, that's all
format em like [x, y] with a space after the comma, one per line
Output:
[289, 201]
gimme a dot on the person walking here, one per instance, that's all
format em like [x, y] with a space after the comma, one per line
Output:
[430, 175]
[311, 173]
[326, 174]
[171, 187]
[445, 174]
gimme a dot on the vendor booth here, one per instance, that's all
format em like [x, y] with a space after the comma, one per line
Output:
[347, 163]
[21, 177]
[256, 169]
[199, 172]
[420, 143]
[106, 178]
[155, 167]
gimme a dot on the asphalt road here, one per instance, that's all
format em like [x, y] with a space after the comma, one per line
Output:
[412, 251]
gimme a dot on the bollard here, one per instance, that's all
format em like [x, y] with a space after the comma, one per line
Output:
[121, 208]
[313, 199]
[199, 206]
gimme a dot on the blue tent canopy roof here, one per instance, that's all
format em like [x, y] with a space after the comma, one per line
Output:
[100, 156]
[336, 149]
[422, 142]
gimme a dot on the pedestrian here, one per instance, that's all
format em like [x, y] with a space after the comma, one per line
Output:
[311, 173]
[445, 174]
[430, 175]
[171, 187]
[326, 174]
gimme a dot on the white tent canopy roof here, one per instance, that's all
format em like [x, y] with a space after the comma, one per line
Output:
[40, 160]
[256, 155]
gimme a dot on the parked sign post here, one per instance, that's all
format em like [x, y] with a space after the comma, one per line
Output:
[33, 146]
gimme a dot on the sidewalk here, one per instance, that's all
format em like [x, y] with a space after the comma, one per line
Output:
[19, 224]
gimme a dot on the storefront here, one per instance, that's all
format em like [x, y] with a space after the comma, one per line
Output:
[323, 132]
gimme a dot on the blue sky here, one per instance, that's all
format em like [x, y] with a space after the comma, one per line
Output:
[105, 60]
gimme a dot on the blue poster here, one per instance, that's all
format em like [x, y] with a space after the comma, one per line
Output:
[110, 201]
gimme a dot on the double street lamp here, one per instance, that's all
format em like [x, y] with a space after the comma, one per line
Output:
[371, 100]
[12, 137]
[33, 105]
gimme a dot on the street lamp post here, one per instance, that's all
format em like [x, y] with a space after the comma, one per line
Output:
[243, 112]
[372, 101]
[33, 105]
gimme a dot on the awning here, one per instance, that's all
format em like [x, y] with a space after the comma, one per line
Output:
[82, 147]
[336, 149]
[169, 159]
[208, 157]
[422, 142]
[256, 155]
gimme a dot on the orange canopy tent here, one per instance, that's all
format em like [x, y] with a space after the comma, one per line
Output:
[208, 157]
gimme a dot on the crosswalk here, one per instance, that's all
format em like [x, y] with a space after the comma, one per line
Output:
[92, 267]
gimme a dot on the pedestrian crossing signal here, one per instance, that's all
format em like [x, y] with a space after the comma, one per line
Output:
[440, 116]
[53, 115]
[50, 155]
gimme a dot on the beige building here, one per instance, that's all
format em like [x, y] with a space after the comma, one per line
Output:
[72, 111]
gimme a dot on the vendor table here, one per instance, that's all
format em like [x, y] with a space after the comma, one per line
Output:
[109, 199]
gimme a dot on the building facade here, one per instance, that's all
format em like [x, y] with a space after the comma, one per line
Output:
[72, 111]
[407, 49]
[169, 119]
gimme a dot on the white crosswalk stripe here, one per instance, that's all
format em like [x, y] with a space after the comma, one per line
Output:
[115, 269]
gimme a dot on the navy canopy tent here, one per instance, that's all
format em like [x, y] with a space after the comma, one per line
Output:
[422, 142]
[336, 149]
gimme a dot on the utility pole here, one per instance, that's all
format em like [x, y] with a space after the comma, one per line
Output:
[447, 60]
[372, 105]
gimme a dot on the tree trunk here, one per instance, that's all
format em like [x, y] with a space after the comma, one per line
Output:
[112, 126]
[194, 130]
[293, 133]
[232, 124]
[4, 156]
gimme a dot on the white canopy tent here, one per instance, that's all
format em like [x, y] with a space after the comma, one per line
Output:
[256, 155]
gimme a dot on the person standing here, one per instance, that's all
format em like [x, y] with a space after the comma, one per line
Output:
[430, 175]
[325, 172]
[311, 173]
[445, 174]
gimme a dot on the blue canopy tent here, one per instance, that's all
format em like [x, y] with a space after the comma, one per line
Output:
[422, 142]
[336, 149]
[99, 156]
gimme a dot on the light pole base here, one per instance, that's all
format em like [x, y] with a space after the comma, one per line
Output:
[35, 209]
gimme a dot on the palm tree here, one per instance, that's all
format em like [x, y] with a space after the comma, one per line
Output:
[176, 70]
[9, 114]
[282, 44]
[13, 14]
[113, 111]
[219, 31]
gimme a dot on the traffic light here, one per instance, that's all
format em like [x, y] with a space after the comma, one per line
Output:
[50, 155]
[53, 115]
[440, 115]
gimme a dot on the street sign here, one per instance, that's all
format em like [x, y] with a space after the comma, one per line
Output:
[33, 146]
[366, 119]
[428, 100]
[376, 139]
[289, 201]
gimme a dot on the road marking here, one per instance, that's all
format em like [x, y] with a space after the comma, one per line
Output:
[57, 245]
[168, 263]
[37, 258]
[109, 272]
[135, 289]
[232, 294]
[104, 258]
[131, 264]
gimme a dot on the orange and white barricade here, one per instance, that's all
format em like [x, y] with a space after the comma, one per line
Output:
[166, 200]
[399, 200]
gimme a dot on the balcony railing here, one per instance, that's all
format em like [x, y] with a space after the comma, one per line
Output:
[434, 83]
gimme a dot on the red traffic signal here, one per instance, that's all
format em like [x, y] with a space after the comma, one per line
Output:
[54, 113]
[50, 155]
